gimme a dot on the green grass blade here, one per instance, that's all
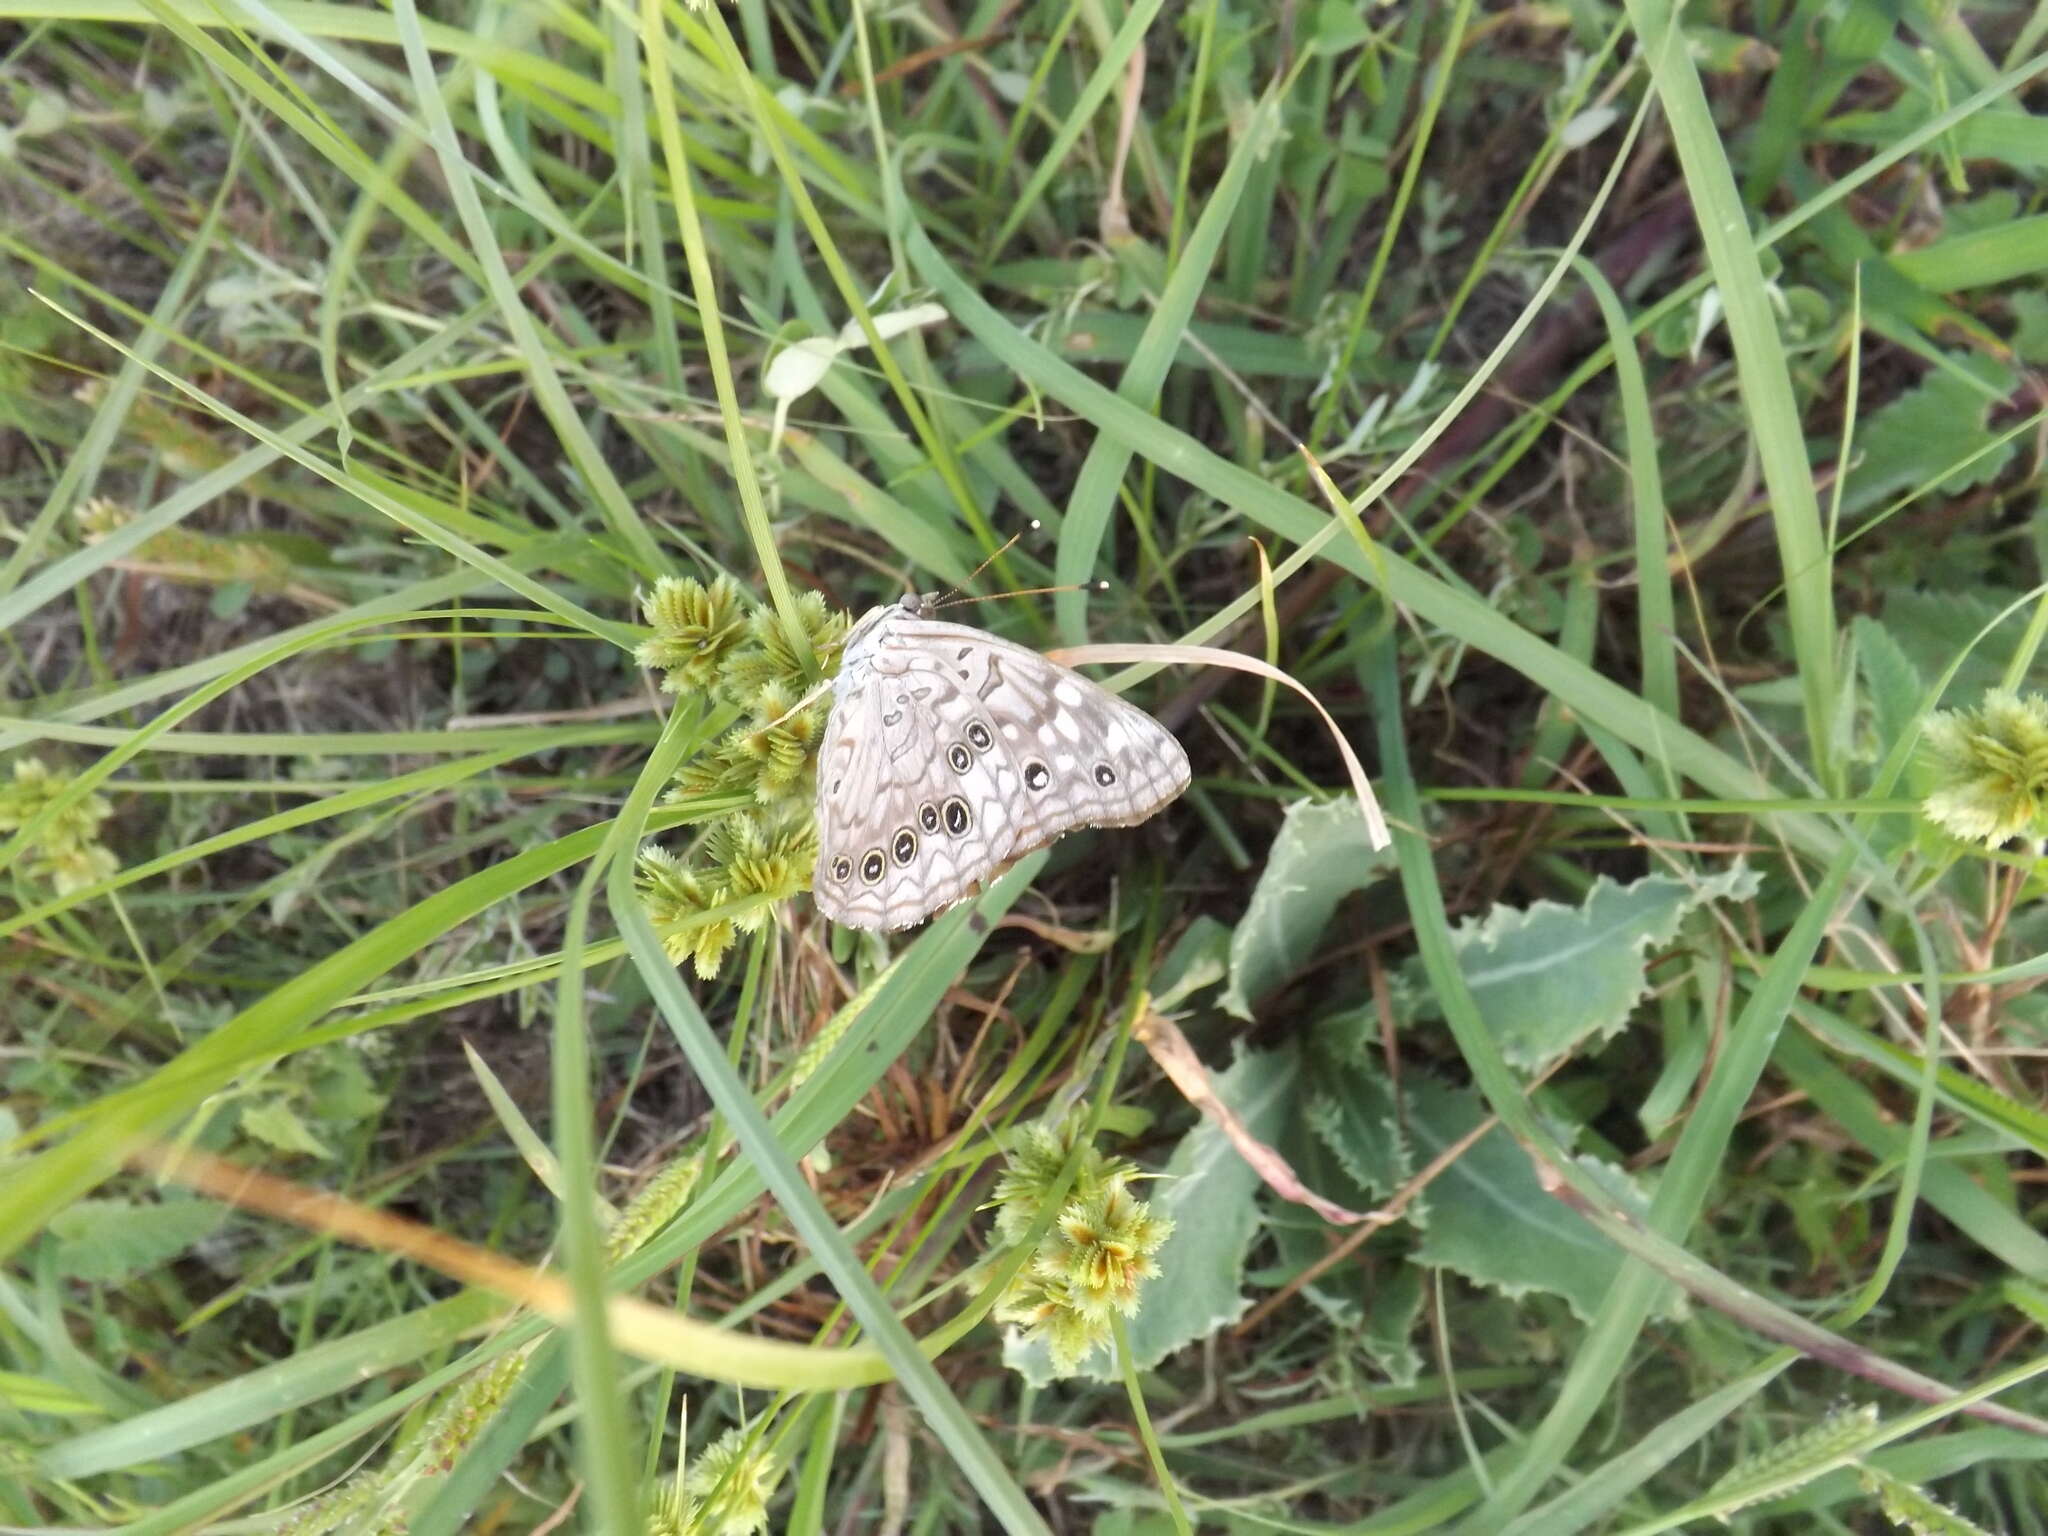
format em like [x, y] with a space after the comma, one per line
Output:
[1762, 370]
[636, 544]
[55, 1177]
[1978, 258]
[943, 1412]
[339, 1365]
[1472, 620]
[1656, 610]
[1109, 69]
[1102, 472]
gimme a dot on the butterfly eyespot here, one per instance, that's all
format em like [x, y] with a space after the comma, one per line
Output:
[956, 815]
[872, 864]
[928, 816]
[1036, 776]
[978, 736]
[842, 868]
[1105, 775]
[903, 847]
[959, 757]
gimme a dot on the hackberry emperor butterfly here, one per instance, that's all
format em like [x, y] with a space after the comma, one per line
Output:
[950, 754]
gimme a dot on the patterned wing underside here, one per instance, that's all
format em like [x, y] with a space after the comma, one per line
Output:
[959, 753]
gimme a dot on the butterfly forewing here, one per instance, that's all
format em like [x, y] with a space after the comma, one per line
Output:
[951, 753]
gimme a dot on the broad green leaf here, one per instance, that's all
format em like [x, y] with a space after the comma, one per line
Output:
[1893, 682]
[1548, 977]
[1389, 1337]
[275, 1123]
[1338, 27]
[1352, 1112]
[2019, 139]
[1347, 1144]
[1491, 1221]
[1993, 210]
[1309, 1139]
[109, 1240]
[1212, 1195]
[2030, 325]
[1200, 958]
[1320, 856]
[340, 1089]
[1029, 1358]
[1934, 629]
[1927, 433]
[1894, 689]
[1371, 1307]
[1979, 258]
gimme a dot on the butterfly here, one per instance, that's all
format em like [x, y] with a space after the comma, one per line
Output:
[949, 754]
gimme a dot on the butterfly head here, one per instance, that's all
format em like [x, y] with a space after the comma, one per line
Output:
[871, 631]
[911, 605]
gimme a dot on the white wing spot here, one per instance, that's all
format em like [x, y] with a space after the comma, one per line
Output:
[1068, 694]
[1064, 761]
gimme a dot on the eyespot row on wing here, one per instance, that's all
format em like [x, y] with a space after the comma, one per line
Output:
[953, 815]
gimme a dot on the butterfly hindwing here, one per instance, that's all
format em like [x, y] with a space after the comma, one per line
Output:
[951, 753]
[1081, 756]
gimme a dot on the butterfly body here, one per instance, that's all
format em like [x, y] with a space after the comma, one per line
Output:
[950, 753]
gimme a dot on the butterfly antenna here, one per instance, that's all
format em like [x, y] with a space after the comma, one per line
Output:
[950, 595]
[1081, 586]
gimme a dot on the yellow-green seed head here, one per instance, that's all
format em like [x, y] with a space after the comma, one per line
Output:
[695, 629]
[1990, 769]
[67, 851]
[732, 1479]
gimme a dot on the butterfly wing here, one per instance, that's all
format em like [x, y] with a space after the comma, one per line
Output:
[1082, 756]
[896, 840]
[957, 753]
